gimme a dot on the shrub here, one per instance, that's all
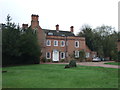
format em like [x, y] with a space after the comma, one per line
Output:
[62, 60]
[48, 60]
[43, 59]
[72, 63]
[67, 66]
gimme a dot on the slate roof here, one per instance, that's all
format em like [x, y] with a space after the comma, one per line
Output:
[60, 33]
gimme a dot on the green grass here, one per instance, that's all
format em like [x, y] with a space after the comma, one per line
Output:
[55, 76]
[113, 63]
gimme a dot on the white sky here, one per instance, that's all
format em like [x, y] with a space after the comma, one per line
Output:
[63, 12]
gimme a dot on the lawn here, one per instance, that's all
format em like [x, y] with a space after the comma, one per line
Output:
[55, 76]
[113, 63]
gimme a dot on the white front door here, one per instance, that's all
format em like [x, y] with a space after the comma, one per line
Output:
[55, 55]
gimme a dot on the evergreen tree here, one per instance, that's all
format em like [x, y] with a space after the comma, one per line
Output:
[19, 47]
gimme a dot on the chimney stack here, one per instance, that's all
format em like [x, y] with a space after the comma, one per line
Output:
[34, 21]
[71, 29]
[57, 27]
[24, 26]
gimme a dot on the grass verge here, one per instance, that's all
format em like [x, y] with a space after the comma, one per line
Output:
[113, 63]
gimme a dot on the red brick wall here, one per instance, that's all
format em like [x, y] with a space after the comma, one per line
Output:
[70, 48]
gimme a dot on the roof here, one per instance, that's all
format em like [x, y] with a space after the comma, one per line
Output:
[56, 33]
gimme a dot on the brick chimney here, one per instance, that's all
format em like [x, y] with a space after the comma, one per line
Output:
[71, 29]
[57, 27]
[24, 26]
[34, 21]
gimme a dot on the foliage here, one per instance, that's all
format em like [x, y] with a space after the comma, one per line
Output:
[81, 55]
[101, 39]
[62, 60]
[43, 59]
[48, 60]
[118, 56]
[18, 47]
[72, 63]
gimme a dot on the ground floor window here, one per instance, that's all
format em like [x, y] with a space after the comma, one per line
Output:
[48, 55]
[62, 55]
[94, 56]
[76, 54]
[87, 55]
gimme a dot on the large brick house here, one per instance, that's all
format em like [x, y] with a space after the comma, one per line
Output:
[59, 45]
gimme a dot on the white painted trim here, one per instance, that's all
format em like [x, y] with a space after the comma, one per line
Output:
[54, 56]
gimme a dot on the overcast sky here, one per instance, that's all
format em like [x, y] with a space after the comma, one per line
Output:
[63, 12]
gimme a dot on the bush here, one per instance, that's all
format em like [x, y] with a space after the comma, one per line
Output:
[43, 59]
[48, 60]
[62, 60]
[72, 63]
[67, 66]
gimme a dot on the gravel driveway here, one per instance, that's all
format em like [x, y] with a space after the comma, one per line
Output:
[101, 64]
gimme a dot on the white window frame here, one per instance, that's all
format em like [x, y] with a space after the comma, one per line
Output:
[49, 56]
[87, 54]
[77, 46]
[77, 54]
[62, 45]
[56, 43]
[63, 55]
[47, 43]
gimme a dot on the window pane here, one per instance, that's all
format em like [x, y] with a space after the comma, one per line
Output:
[55, 43]
[48, 42]
[62, 55]
[48, 55]
[76, 54]
[76, 44]
[62, 43]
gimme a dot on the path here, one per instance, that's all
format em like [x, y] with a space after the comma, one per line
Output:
[101, 64]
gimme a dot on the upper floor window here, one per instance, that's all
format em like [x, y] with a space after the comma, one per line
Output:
[48, 55]
[62, 43]
[76, 54]
[48, 43]
[62, 54]
[77, 44]
[55, 43]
